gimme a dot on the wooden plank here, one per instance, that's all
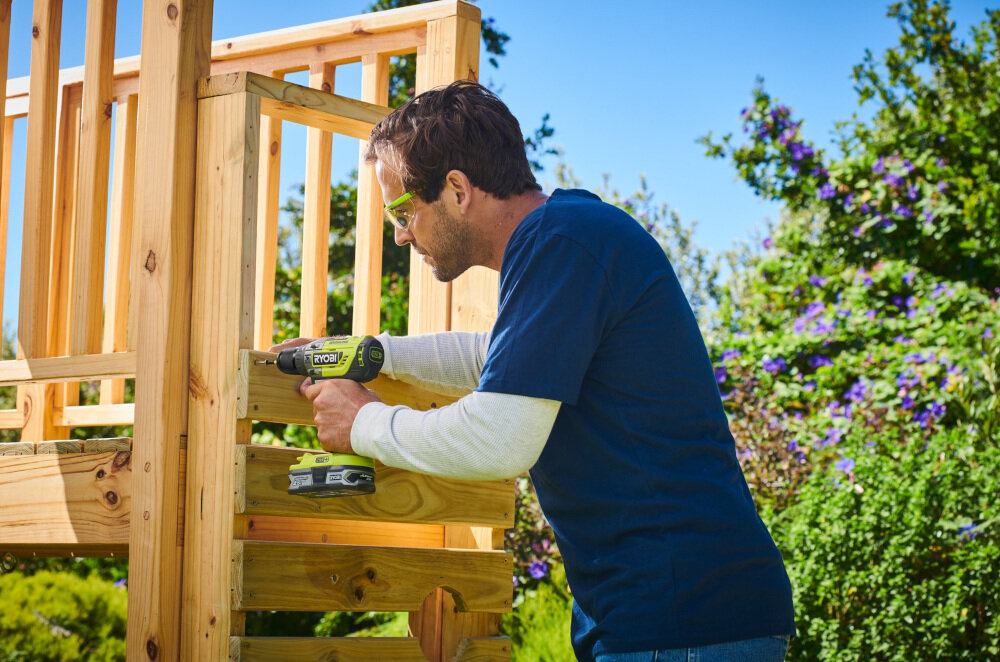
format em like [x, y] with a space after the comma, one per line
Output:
[94, 415]
[400, 496]
[300, 577]
[310, 649]
[61, 447]
[221, 323]
[33, 323]
[269, 395]
[451, 53]
[316, 219]
[92, 192]
[107, 444]
[368, 241]
[343, 532]
[68, 550]
[87, 368]
[313, 106]
[482, 649]
[176, 42]
[6, 141]
[11, 419]
[8, 144]
[268, 204]
[55, 499]
[18, 448]
[116, 315]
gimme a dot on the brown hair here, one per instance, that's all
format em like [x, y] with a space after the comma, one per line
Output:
[463, 126]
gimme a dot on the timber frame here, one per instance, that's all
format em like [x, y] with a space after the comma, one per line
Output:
[191, 235]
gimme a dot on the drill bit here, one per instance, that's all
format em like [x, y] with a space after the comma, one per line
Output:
[266, 362]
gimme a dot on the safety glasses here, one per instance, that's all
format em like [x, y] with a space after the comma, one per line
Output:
[398, 212]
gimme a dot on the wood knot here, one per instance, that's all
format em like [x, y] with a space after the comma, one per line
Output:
[122, 459]
[211, 621]
[359, 594]
[152, 650]
[151, 262]
[196, 386]
[111, 497]
[35, 31]
[371, 574]
[107, 110]
[172, 11]
[100, 474]
[274, 147]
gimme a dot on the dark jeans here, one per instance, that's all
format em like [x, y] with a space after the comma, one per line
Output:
[763, 649]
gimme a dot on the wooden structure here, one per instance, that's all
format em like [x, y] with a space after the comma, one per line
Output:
[191, 242]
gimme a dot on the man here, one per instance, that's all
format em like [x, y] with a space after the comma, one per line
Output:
[595, 377]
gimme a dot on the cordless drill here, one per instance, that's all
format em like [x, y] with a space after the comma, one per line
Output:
[341, 357]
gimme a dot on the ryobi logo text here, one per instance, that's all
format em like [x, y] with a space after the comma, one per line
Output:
[327, 358]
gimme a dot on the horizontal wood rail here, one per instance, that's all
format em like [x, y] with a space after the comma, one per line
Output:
[356, 649]
[400, 496]
[267, 528]
[302, 577]
[299, 104]
[93, 415]
[83, 368]
[266, 394]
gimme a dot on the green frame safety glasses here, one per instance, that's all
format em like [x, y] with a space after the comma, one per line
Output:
[400, 220]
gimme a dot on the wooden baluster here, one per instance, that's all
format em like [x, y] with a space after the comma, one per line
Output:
[268, 203]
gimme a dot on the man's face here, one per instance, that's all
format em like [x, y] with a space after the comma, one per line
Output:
[445, 240]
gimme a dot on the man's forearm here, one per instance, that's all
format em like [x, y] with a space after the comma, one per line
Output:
[448, 362]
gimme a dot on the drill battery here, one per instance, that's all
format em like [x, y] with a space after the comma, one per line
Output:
[331, 474]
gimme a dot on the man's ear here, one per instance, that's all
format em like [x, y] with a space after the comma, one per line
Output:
[458, 188]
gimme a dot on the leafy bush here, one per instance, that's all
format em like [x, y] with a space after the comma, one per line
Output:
[539, 627]
[894, 553]
[61, 617]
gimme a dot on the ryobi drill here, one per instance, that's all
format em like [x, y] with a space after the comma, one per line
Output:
[341, 357]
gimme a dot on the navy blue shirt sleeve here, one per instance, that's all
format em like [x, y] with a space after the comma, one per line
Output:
[555, 307]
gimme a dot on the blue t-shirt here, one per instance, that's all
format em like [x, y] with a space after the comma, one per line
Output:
[662, 544]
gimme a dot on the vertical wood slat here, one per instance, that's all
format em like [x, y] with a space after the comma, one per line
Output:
[36, 235]
[6, 138]
[176, 48]
[368, 242]
[92, 193]
[120, 242]
[268, 204]
[223, 284]
[316, 217]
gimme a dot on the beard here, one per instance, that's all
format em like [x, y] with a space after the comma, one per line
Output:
[454, 246]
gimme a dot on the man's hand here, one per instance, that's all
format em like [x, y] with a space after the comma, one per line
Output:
[335, 406]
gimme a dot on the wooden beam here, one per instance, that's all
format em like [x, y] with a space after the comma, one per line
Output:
[11, 419]
[85, 368]
[300, 577]
[56, 499]
[343, 532]
[315, 242]
[92, 200]
[6, 140]
[176, 42]
[268, 204]
[269, 395]
[312, 106]
[18, 448]
[120, 244]
[400, 496]
[368, 242]
[94, 415]
[358, 649]
[221, 324]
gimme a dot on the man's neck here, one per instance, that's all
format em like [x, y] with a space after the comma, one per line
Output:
[508, 214]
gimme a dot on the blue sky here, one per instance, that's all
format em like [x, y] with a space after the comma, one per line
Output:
[629, 87]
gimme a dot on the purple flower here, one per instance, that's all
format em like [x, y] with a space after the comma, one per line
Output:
[792, 446]
[939, 163]
[871, 314]
[938, 409]
[879, 166]
[809, 385]
[800, 325]
[928, 217]
[865, 207]
[775, 366]
[731, 354]
[815, 309]
[767, 242]
[720, 375]
[908, 277]
[858, 392]
[823, 327]
[799, 151]
[893, 180]
[744, 454]
[903, 210]
[911, 192]
[827, 191]
[907, 402]
[122, 583]
[908, 165]
[515, 581]
[538, 569]
[988, 333]
[922, 417]
[968, 532]
[846, 465]
[817, 281]
[848, 200]
[819, 360]
[942, 186]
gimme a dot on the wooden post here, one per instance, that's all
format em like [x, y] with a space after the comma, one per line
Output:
[316, 221]
[176, 42]
[6, 139]
[368, 242]
[92, 200]
[120, 244]
[268, 203]
[221, 324]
